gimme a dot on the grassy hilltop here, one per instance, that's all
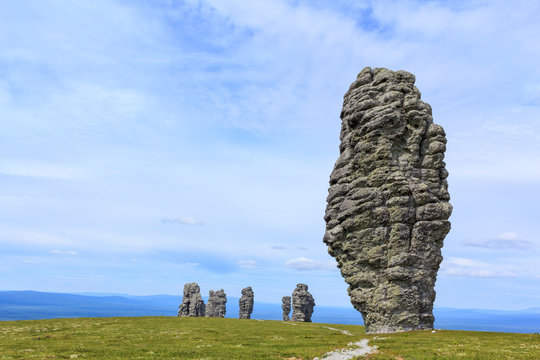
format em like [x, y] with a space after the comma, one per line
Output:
[216, 338]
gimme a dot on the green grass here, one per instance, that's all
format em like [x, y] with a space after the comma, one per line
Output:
[215, 338]
[449, 344]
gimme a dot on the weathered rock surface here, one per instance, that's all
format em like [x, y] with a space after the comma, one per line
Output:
[302, 304]
[246, 303]
[387, 209]
[192, 303]
[216, 306]
[286, 307]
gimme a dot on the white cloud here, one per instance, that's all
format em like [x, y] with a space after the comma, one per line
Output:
[305, 264]
[246, 264]
[507, 240]
[27, 261]
[470, 273]
[182, 221]
[498, 166]
[88, 98]
[78, 278]
[194, 264]
[42, 170]
[16, 236]
[63, 252]
[473, 268]
[267, 67]
[421, 37]
[92, 241]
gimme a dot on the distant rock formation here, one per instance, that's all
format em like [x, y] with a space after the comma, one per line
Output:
[192, 303]
[286, 306]
[216, 304]
[302, 304]
[246, 303]
[388, 204]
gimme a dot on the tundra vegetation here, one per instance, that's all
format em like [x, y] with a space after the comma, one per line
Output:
[219, 338]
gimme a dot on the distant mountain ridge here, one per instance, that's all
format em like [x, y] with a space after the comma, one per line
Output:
[28, 305]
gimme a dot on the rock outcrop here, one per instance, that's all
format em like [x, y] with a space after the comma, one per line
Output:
[192, 303]
[216, 306]
[302, 304]
[286, 307]
[246, 303]
[388, 204]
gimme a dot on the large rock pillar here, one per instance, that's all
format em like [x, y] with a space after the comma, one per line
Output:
[192, 302]
[216, 306]
[388, 205]
[302, 304]
[246, 303]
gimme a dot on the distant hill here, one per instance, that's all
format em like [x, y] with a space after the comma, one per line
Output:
[28, 305]
[525, 321]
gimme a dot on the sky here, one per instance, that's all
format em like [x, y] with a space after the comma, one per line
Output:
[147, 144]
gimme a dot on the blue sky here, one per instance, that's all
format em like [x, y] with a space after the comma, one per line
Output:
[146, 144]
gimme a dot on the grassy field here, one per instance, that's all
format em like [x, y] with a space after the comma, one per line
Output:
[215, 338]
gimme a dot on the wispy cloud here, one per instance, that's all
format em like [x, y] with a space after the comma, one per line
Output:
[9, 236]
[32, 262]
[473, 268]
[305, 264]
[281, 247]
[78, 278]
[507, 240]
[42, 170]
[182, 221]
[246, 264]
[63, 252]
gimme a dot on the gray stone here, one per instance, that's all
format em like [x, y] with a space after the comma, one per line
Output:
[216, 306]
[286, 306]
[302, 304]
[388, 203]
[192, 303]
[246, 303]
